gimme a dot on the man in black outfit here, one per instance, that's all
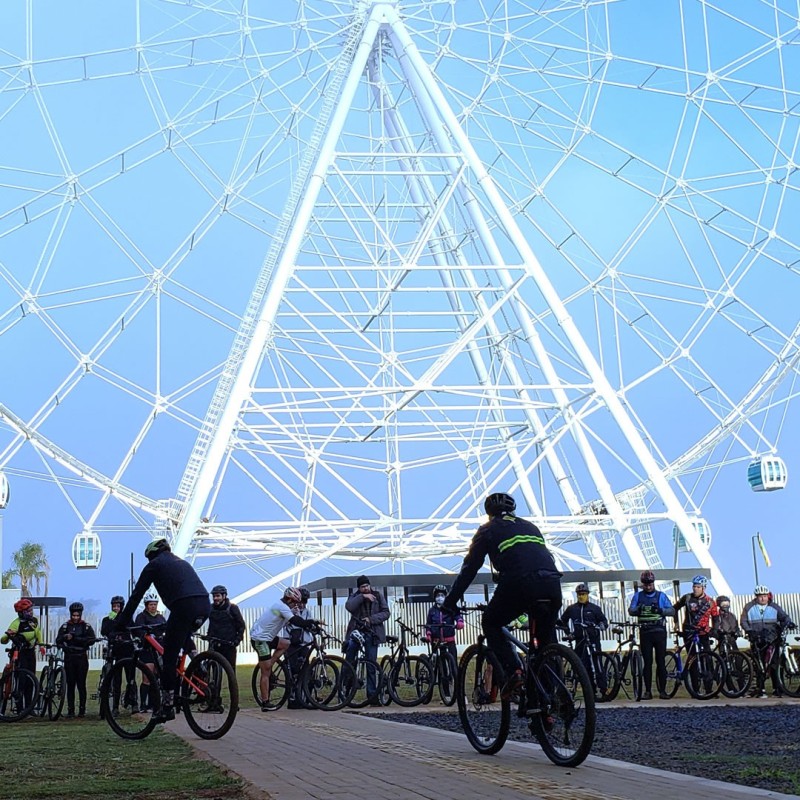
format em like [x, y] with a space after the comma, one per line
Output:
[183, 593]
[527, 574]
[225, 622]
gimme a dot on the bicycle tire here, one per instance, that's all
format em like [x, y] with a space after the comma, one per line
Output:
[447, 678]
[386, 664]
[739, 672]
[703, 675]
[106, 668]
[321, 682]
[674, 675]
[565, 717]
[411, 681]
[613, 691]
[209, 695]
[127, 724]
[57, 691]
[637, 674]
[41, 703]
[485, 716]
[357, 694]
[608, 665]
[279, 686]
[789, 673]
[19, 693]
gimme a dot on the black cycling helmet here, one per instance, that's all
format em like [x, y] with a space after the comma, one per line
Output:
[499, 503]
[647, 577]
[305, 594]
[581, 588]
[118, 598]
[220, 589]
[73, 607]
[156, 547]
[440, 588]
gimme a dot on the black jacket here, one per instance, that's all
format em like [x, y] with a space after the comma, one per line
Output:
[82, 638]
[588, 614]
[226, 622]
[516, 549]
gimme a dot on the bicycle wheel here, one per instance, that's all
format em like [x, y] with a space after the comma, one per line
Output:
[209, 695]
[606, 665]
[411, 681]
[447, 677]
[103, 672]
[562, 705]
[386, 668]
[56, 693]
[484, 716]
[637, 674]
[789, 672]
[674, 675]
[322, 680]
[279, 685]
[129, 722]
[366, 672]
[704, 675]
[19, 692]
[739, 672]
[613, 689]
[43, 701]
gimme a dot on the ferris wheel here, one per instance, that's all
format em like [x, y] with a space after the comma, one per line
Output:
[301, 284]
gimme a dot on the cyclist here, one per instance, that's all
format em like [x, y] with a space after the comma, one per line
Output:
[298, 640]
[184, 595]
[652, 607]
[586, 620]
[442, 623]
[699, 612]
[527, 574]
[226, 623]
[25, 633]
[763, 621]
[119, 647]
[75, 637]
[265, 639]
[725, 623]
[150, 616]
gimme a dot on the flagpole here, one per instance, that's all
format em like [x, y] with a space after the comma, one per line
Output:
[755, 560]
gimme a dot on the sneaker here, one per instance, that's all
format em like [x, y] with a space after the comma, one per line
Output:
[69, 715]
[663, 696]
[164, 714]
[512, 685]
[647, 696]
[264, 706]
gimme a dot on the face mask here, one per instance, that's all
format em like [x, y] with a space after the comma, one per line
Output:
[725, 606]
[439, 599]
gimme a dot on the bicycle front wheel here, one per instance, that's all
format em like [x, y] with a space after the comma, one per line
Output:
[606, 666]
[637, 674]
[704, 675]
[484, 716]
[411, 681]
[447, 678]
[364, 685]
[674, 675]
[19, 692]
[322, 681]
[789, 672]
[56, 691]
[209, 695]
[127, 721]
[42, 702]
[562, 703]
[279, 686]
[739, 674]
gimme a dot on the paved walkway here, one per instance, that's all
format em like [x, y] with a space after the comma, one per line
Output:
[303, 755]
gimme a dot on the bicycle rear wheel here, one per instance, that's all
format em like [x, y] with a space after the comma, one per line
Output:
[365, 671]
[637, 674]
[56, 693]
[209, 695]
[448, 676]
[279, 686]
[484, 716]
[563, 706]
[606, 665]
[19, 692]
[322, 681]
[127, 722]
[411, 681]
[789, 672]
[613, 689]
[42, 702]
[673, 675]
[704, 675]
[739, 674]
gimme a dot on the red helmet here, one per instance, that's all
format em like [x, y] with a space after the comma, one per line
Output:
[23, 604]
[293, 595]
[647, 577]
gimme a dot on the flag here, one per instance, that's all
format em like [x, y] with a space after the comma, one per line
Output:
[763, 550]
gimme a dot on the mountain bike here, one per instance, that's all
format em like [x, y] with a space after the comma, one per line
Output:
[444, 670]
[702, 672]
[207, 693]
[556, 698]
[365, 672]
[19, 689]
[52, 684]
[628, 659]
[770, 651]
[602, 667]
[309, 672]
[409, 679]
[739, 667]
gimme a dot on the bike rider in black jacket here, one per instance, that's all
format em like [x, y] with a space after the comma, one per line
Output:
[225, 622]
[75, 637]
[527, 573]
[586, 620]
[183, 593]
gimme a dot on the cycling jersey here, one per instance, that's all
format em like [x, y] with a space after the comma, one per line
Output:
[580, 614]
[768, 619]
[698, 612]
[82, 639]
[28, 628]
[269, 624]
[651, 608]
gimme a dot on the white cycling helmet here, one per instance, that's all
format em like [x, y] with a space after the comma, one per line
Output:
[151, 597]
[761, 590]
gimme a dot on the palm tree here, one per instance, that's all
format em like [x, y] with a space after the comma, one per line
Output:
[30, 566]
[8, 579]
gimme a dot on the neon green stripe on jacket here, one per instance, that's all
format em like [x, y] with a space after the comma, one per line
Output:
[521, 539]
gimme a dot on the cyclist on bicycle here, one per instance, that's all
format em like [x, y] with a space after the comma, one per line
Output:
[527, 575]
[119, 647]
[442, 623]
[296, 642]
[225, 622]
[699, 612]
[25, 633]
[652, 607]
[183, 593]
[586, 620]
[75, 637]
[763, 622]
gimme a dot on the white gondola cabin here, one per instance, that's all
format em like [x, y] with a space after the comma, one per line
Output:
[86, 550]
[766, 474]
[703, 530]
[5, 491]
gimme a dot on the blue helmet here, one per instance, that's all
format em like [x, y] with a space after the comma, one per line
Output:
[700, 580]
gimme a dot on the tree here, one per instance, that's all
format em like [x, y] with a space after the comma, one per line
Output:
[8, 579]
[30, 566]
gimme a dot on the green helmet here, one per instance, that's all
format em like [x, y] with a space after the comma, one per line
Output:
[156, 547]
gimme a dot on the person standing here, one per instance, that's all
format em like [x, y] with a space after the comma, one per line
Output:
[699, 613]
[586, 620]
[442, 624]
[25, 634]
[75, 637]
[225, 622]
[652, 607]
[119, 647]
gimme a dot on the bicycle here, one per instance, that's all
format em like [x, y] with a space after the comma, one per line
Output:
[408, 679]
[444, 671]
[310, 672]
[703, 672]
[207, 693]
[52, 684]
[355, 685]
[739, 667]
[625, 660]
[602, 667]
[19, 689]
[555, 697]
[776, 654]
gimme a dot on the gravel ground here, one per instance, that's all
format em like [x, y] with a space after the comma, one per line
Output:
[745, 744]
